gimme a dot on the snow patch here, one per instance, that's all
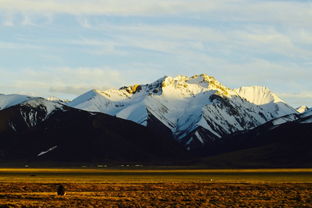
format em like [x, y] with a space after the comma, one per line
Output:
[32, 117]
[45, 152]
[11, 124]
[48, 105]
[199, 137]
[136, 113]
[189, 141]
[7, 101]
[203, 123]
[284, 119]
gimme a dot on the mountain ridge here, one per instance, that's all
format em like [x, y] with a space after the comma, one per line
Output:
[43, 130]
[184, 104]
[302, 109]
[171, 120]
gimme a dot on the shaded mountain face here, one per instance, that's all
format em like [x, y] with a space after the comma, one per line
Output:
[281, 143]
[197, 110]
[172, 119]
[38, 129]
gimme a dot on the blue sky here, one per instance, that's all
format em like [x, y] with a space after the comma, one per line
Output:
[66, 47]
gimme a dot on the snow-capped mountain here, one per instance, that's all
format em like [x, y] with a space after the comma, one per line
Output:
[263, 97]
[306, 117]
[33, 109]
[7, 101]
[281, 143]
[59, 100]
[196, 109]
[32, 112]
[199, 112]
[302, 109]
[38, 129]
[37, 110]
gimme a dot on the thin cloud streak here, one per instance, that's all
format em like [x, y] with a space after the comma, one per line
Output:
[66, 80]
[108, 7]
[290, 12]
[240, 42]
[59, 79]
[18, 46]
[306, 95]
[171, 38]
[72, 90]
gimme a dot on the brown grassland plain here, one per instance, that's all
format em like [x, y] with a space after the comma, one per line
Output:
[156, 188]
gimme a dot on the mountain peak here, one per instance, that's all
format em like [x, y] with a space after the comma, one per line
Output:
[258, 95]
[183, 85]
[7, 101]
[184, 103]
[266, 99]
[302, 109]
[132, 89]
[190, 86]
[48, 105]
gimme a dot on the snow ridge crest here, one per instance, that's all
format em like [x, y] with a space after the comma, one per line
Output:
[186, 104]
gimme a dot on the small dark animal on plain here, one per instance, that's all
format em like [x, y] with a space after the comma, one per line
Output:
[60, 190]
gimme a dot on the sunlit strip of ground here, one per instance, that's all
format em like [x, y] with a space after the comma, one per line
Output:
[156, 176]
[99, 170]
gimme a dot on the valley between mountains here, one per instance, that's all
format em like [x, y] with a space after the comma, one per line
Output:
[193, 121]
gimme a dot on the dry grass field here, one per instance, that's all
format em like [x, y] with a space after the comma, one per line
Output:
[156, 188]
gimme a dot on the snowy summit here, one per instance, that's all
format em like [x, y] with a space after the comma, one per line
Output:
[188, 106]
[302, 109]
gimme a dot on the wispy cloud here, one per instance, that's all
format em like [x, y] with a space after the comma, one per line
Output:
[174, 38]
[241, 42]
[65, 80]
[7, 19]
[72, 90]
[100, 47]
[116, 7]
[27, 21]
[298, 99]
[235, 10]
[297, 95]
[18, 46]
[62, 80]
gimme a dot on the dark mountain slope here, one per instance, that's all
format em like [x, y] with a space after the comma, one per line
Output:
[286, 146]
[68, 134]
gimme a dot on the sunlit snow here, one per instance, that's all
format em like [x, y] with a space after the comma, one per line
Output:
[302, 109]
[185, 103]
[7, 101]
